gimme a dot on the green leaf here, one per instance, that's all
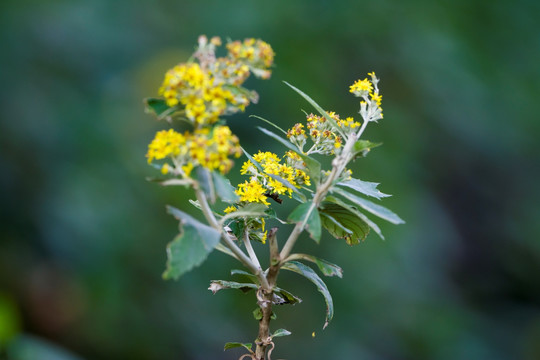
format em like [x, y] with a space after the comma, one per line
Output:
[326, 267]
[156, 106]
[257, 314]
[313, 166]
[232, 345]
[355, 211]
[343, 224]
[237, 227]
[204, 178]
[312, 221]
[191, 247]
[373, 208]
[280, 332]
[318, 108]
[269, 123]
[364, 187]
[246, 274]
[312, 276]
[216, 285]
[285, 297]
[362, 147]
[224, 189]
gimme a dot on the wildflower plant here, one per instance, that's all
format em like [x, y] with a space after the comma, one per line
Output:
[196, 96]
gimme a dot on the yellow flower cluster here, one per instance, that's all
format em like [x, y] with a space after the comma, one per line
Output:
[370, 107]
[165, 143]
[325, 139]
[206, 147]
[202, 90]
[258, 54]
[262, 184]
[206, 89]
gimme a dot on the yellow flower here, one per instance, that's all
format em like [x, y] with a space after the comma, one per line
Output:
[165, 169]
[165, 143]
[361, 87]
[252, 191]
[229, 209]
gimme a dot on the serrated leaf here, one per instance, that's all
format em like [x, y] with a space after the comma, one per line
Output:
[281, 332]
[312, 276]
[373, 208]
[364, 146]
[313, 166]
[224, 189]
[191, 247]
[312, 221]
[204, 178]
[364, 187]
[232, 345]
[355, 211]
[343, 224]
[216, 285]
[318, 108]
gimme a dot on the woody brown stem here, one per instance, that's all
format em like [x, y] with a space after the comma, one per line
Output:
[265, 297]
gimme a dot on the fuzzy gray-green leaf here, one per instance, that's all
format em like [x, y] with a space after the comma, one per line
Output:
[191, 247]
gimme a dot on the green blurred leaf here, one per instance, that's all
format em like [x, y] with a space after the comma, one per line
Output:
[27, 347]
[10, 319]
[204, 177]
[280, 332]
[313, 166]
[224, 189]
[373, 208]
[312, 221]
[232, 345]
[362, 147]
[355, 211]
[191, 247]
[364, 187]
[343, 224]
[216, 285]
[156, 106]
[257, 314]
[312, 276]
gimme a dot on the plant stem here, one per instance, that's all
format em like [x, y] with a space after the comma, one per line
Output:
[338, 165]
[265, 297]
[244, 259]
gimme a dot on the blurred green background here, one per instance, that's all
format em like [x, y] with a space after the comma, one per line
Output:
[83, 235]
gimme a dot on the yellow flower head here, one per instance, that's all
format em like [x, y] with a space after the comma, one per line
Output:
[252, 191]
[361, 87]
